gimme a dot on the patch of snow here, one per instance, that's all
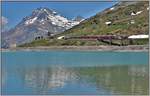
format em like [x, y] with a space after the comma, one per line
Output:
[82, 20]
[61, 18]
[54, 12]
[138, 36]
[30, 21]
[52, 34]
[48, 12]
[45, 10]
[41, 21]
[109, 22]
[139, 12]
[53, 23]
[133, 14]
[62, 22]
[60, 37]
[112, 8]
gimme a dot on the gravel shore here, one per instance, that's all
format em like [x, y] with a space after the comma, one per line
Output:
[132, 48]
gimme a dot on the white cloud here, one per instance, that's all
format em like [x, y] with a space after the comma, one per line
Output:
[3, 20]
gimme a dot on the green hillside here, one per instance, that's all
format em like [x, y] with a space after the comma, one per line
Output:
[122, 23]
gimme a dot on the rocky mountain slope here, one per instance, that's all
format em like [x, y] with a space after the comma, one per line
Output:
[38, 24]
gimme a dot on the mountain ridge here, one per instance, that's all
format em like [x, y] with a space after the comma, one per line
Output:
[41, 21]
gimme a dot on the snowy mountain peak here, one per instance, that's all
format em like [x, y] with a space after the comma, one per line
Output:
[41, 21]
[44, 10]
[42, 15]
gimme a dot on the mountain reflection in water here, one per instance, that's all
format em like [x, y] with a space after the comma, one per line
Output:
[48, 78]
[123, 79]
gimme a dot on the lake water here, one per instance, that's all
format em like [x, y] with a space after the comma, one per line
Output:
[75, 72]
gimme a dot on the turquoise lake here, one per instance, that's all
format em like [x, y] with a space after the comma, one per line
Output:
[75, 73]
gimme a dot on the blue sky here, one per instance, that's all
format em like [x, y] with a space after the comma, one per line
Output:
[15, 11]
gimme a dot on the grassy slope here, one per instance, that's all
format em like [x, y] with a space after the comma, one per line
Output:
[120, 17]
[95, 25]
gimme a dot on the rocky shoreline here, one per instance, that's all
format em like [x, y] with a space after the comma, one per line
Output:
[130, 48]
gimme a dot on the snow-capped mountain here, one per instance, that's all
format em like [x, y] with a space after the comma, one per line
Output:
[43, 15]
[39, 23]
